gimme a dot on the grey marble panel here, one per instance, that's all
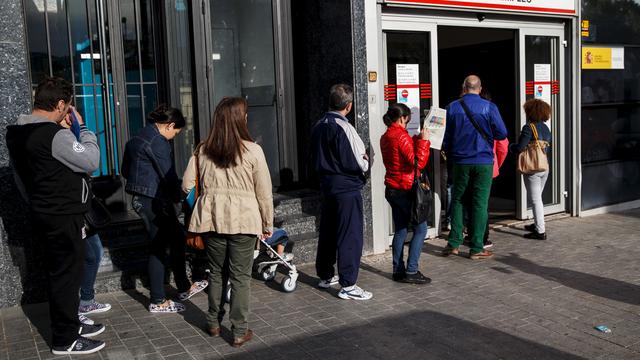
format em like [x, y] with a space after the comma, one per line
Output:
[20, 261]
[361, 109]
[11, 21]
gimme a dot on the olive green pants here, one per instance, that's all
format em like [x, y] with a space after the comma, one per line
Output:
[476, 180]
[236, 251]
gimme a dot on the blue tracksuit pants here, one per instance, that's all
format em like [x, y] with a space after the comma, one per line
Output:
[341, 233]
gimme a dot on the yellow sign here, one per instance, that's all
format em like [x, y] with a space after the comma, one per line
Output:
[602, 58]
[584, 28]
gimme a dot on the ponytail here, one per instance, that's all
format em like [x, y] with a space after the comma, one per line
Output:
[165, 114]
[395, 112]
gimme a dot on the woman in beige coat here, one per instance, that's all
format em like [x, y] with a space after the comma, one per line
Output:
[234, 208]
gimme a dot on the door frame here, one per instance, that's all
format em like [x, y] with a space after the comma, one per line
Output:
[407, 21]
[414, 25]
[522, 211]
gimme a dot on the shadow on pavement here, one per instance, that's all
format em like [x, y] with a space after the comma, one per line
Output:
[592, 284]
[417, 335]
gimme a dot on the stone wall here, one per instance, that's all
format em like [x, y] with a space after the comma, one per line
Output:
[20, 281]
[328, 48]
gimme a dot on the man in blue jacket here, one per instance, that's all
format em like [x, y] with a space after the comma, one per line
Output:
[473, 123]
[340, 160]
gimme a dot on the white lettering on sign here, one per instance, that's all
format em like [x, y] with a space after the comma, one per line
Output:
[567, 7]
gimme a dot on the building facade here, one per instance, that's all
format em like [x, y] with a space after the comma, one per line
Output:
[125, 57]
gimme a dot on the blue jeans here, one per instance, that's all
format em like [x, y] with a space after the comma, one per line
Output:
[93, 256]
[400, 202]
[279, 237]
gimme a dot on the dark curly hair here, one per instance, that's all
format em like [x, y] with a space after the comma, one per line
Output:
[537, 110]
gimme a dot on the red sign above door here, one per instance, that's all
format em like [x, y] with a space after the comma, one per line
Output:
[566, 7]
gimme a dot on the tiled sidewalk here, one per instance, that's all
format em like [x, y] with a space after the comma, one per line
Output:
[536, 299]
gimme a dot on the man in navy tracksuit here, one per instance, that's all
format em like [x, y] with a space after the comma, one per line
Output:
[340, 159]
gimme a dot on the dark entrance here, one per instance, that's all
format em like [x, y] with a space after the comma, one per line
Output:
[492, 55]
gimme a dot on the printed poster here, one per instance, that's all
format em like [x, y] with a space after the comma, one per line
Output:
[408, 92]
[542, 82]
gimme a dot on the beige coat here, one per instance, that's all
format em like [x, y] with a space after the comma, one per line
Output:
[236, 200]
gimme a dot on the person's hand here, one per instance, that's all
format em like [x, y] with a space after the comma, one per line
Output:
[266, 234]
[66, 121]
[424, 133]
[77, 115]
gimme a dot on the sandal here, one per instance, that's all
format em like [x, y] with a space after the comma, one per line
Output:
[195, 288]
[168, 306]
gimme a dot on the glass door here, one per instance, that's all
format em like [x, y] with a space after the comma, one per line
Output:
[247, 53]
[408, 77]
[542, 74]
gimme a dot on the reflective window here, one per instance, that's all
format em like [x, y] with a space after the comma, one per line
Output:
[244, 65]
[612, 21]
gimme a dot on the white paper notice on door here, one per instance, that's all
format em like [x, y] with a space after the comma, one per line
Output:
[542, 82]
[408, 92]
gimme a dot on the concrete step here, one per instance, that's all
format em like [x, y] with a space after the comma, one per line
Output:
[124, 264]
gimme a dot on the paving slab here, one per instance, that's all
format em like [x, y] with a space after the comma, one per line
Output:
[533, 300]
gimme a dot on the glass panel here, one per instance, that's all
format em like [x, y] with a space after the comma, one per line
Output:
[37, 40]
[411, 48]
[59, 39]
[150, 98]
[612, 21]
[244, 65]
[542, 50]
[146, 42]
[130, 40]
[80, 42]
[134, 102]
[179, 61]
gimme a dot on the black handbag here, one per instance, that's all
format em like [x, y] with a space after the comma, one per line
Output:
[422, 197]
[98, 215]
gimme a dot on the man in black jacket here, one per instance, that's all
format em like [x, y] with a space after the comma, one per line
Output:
[51, 165]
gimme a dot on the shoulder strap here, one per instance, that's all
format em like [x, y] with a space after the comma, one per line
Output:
[474, 123]
[196, 154]
[534, 130]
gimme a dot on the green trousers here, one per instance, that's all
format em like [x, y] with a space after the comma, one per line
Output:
[236, 252]
[476, 180]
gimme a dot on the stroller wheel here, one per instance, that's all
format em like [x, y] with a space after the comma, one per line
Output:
[288, 284]
[267, 274]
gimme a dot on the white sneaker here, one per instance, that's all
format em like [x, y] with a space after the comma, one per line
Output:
[85, 320]
[355, 293]
[287, 257]
[325, 284]
[171, 307]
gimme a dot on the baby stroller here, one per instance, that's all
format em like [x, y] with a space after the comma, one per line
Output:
[266, 262]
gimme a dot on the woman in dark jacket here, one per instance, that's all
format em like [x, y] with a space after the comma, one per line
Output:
[538, 112]
[151, 179]
[399, 152]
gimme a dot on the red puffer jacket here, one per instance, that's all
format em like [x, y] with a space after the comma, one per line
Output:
[398, 154]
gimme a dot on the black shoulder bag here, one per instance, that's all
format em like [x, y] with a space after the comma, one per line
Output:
[475, 123]
[422, 197]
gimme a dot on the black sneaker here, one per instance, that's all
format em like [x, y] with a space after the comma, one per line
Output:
[536, 235]
[530, 227]
[399, 276]
[416, 278]
[488, 244]
[91, 330]
[79, 347]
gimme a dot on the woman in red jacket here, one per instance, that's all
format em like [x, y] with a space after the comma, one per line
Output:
[399, 152]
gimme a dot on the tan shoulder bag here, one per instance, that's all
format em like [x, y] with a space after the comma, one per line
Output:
[533, 159]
